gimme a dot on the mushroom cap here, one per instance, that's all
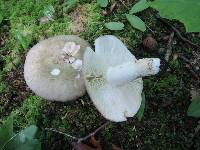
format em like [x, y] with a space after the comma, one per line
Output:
[115, 103]
[53, 68]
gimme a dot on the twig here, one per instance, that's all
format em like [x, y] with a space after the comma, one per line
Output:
[169, 47]
[177, 32]
[150, 29]
[54, 130]
[124, 4]
[3, 147]
[94, 132]
[79, 140]
[189, 66]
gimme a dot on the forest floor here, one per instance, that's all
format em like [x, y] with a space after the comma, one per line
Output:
[165, 124]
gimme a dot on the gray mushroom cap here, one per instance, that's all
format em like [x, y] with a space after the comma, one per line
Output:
[53, 68]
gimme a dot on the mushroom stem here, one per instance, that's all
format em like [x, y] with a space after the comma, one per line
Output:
[129, 71]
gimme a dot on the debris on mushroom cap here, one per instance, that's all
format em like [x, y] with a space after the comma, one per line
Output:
[77, 64]
[116, 102]
[49, 68]
[71, 48]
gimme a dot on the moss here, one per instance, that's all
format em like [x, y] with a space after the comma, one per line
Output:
[29, 113]
[169, 86]
[86, 20]
[3, 87]
[164, 125]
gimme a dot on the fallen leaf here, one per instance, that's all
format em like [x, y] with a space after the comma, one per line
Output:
[81, 146]
[94, 142]
[194, 92]
[114, 147]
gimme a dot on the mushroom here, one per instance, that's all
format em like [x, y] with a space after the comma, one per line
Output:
[53, 68]
[113, 78]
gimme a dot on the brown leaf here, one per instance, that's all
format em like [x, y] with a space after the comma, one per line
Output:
[81, 146]
[113, 6]
[114, 147]
[94, 142]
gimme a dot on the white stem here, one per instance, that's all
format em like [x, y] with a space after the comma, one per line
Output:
[130, 71]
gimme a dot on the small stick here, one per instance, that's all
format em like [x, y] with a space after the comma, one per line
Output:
[177, 32]
[124, 4]
[169, 47]
[189, 66]
[79, 140]
[54, 130]
[94, 132]
[150, 29]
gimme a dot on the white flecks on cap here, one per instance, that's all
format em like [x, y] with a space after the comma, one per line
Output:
[55, 72]
[77, 64]
[71, 48]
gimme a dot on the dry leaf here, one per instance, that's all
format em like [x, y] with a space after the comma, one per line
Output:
[81, 146]
[114, 147]
[94, 142]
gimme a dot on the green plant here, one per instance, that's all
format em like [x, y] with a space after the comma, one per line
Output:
[48, 12]
[114, 25]
[23, 140]
[135, 21]
[69, 5]
[102, 3]
[185, 11]
[24, 40]
[169, 9]
[30, 111]
[140, 112]
[3, 87]
[194, 108]
[1, 18]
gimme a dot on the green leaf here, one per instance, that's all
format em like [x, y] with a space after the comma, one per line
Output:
[49, 11]
[194, 108]
[69, 5]
[23, 40]
[102, 3]
[6, 131]
[185, 11]
[32, 144]
[140, 112]
[30, 131]
[24, 140]
[1, 18]
[114, 25]
[139, 6]
[136, 22]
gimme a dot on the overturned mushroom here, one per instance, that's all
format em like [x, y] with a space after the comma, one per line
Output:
[53, 68]
[113, 77]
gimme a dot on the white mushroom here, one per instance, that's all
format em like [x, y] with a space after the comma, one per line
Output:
[113, 78]
[49, 68]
